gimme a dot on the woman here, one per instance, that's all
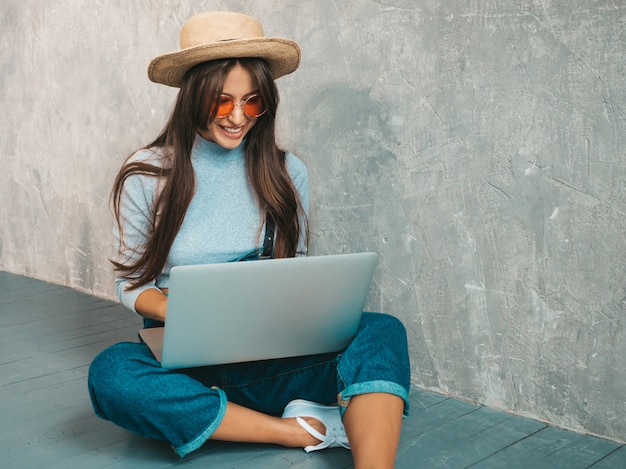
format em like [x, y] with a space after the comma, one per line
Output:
[205, 191]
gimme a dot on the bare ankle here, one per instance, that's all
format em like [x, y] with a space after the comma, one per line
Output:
[299, 436]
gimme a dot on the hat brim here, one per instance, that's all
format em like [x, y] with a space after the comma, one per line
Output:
[282, 56]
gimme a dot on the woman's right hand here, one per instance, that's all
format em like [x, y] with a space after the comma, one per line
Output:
[152, 304]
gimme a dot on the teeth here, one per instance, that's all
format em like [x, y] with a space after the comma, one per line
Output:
[230, 130]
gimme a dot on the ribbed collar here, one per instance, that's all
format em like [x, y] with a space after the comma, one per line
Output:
[204, 148]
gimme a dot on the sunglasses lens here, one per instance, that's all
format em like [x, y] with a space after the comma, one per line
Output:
[225, 106]
[253, 107]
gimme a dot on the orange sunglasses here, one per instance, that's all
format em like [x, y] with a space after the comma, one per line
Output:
[252, 106]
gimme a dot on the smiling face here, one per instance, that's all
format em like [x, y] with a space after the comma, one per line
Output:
[229, 131]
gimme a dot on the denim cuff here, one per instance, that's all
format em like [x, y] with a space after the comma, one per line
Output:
[368, 387]
[199, 440]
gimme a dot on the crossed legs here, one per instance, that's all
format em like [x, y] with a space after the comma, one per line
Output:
[130, 388]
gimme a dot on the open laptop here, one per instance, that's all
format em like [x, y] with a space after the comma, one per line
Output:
[245, 311]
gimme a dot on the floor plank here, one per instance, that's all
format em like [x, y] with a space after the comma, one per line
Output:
[551, 447]
[49, 335]
[465, 440]
[615, 460]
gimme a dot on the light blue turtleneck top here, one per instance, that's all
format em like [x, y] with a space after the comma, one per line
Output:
[223, 220]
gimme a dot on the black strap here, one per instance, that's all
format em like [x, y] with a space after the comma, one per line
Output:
[268, 241]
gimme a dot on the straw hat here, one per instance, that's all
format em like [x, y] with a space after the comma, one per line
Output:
[220, 35]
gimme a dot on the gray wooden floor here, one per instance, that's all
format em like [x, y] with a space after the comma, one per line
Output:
[49, 335]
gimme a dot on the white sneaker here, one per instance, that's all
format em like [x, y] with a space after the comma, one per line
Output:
[329, 416]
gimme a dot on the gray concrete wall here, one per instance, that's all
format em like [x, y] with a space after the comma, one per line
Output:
[477, 145]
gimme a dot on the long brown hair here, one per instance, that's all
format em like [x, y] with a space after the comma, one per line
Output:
[265, 166]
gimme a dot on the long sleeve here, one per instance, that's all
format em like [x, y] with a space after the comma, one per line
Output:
[136, 209]
[299, 175]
